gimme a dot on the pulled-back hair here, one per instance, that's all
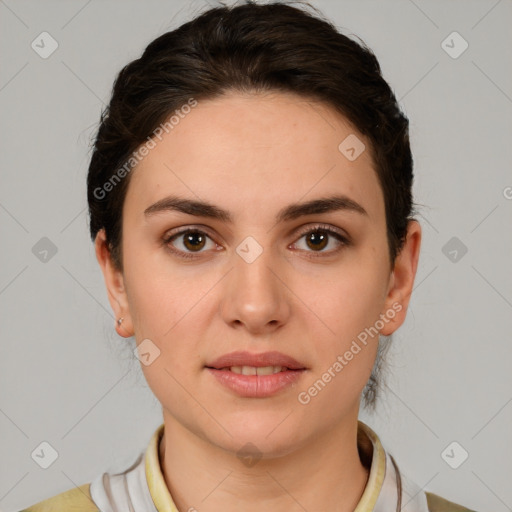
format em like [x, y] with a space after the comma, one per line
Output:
[250, 48]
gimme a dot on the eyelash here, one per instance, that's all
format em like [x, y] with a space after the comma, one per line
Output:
[344, 242]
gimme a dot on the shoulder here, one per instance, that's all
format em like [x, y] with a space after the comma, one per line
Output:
[77, 499]
[438, 504]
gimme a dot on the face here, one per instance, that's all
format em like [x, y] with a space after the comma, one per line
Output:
[261, 277]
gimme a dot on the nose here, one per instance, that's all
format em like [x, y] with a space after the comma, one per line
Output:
[256, 296]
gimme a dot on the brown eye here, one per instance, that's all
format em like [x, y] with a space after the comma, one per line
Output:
[194, 240]
[320, 237]
[317, 240]
[188, 243]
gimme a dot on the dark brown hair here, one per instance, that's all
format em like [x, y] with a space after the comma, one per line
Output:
[250, 48]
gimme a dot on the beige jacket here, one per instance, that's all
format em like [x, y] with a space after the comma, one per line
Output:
[142, 488]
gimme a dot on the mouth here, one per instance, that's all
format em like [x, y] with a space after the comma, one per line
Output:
[255, 370]
[247, 363]
[256, 375]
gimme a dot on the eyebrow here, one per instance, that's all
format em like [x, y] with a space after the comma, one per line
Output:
[290, 212]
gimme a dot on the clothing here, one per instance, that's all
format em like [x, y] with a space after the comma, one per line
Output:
[142, 488]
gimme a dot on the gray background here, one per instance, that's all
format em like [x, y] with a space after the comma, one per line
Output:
[68, 379]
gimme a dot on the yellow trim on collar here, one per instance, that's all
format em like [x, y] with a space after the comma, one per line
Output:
[156, 483]
[377, 471]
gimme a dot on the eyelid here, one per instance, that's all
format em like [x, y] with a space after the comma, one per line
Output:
[325, 227]
[192, 227]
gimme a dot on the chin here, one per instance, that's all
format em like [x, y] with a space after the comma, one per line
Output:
[266, 430]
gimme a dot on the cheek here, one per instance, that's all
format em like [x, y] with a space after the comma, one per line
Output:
[346, 302]
[167, 312]
[167, 307]
[345, 352]
[346, 308]
[159, 294]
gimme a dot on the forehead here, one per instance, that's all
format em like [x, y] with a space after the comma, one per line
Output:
[257, 151]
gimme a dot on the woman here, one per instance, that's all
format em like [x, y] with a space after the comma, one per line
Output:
[250, 203]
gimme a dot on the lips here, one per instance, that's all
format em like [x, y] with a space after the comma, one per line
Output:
[246, 359]
[256, 375]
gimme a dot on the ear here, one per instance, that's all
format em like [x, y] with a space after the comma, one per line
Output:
[401, 280]
[114, 281]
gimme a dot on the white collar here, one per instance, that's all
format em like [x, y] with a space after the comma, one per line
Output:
[142, 488]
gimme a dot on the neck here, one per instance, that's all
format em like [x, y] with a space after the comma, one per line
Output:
[325, 474]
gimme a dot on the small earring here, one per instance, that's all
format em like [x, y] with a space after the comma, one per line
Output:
[120, 321]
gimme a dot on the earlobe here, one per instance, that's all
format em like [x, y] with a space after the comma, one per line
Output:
[114, 282]
[402, 280]
[121, 328]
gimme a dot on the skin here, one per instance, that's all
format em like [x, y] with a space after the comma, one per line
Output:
[253, 155]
